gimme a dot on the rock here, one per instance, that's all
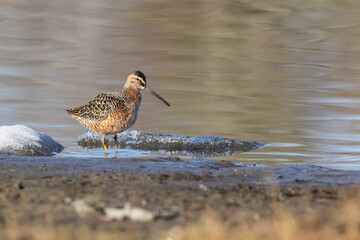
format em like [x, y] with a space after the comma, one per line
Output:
[172, 144]
[203, 187]
[24, 141]
[82, 208]
[166, 213]
[133, 213]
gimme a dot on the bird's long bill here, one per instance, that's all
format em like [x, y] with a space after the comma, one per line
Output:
[156, 95]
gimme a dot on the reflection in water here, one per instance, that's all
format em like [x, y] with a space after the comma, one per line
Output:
[284, 73]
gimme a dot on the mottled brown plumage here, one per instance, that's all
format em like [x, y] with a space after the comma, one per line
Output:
[111, 113]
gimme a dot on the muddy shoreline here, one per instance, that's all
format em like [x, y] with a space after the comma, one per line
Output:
[41, 190]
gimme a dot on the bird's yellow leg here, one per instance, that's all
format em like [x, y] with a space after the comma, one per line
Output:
[103, 143]
[116, 143]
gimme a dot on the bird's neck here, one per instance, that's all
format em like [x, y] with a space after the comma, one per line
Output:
[132, 95]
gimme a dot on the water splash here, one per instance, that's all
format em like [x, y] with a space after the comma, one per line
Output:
[171, 144]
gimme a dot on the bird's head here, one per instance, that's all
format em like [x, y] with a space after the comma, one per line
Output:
[137, 80]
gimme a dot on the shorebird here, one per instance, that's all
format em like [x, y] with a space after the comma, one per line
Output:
[114, 112]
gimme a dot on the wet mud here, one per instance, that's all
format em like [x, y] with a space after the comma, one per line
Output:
[42, 190]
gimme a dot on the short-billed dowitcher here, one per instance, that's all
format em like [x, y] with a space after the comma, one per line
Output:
[111, 113]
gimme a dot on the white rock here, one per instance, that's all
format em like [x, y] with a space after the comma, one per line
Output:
[24, 141]
[203, 187]
[115, 213]
[133, 213]
[82, 208]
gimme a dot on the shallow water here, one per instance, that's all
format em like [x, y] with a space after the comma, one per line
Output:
[280, 72]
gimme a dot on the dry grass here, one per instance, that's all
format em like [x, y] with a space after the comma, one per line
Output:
[341, 221]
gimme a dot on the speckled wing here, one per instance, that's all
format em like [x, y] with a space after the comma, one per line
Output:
[100, 108]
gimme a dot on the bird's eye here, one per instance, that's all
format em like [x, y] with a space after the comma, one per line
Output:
[138, 79]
